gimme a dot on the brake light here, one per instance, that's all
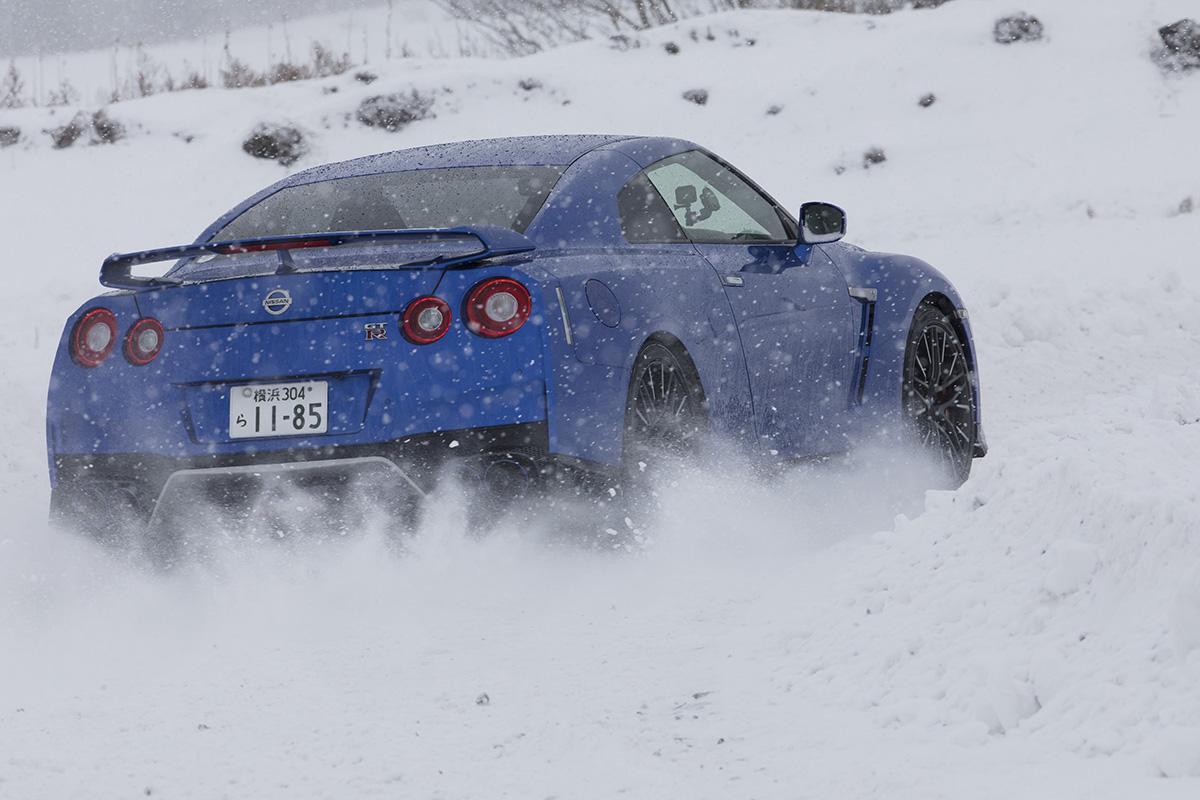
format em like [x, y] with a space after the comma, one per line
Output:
[425, 320]
[144, 341]
[264, 247]
[497, 307]
[93, 337]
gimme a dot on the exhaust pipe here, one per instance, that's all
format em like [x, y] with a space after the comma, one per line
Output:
[508, 475]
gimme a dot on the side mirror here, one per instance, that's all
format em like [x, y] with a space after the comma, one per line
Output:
[821, 223]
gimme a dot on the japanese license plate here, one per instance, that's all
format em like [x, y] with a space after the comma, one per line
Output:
[278, 409]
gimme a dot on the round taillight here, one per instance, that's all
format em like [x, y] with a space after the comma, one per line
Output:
[144, 341]
[425, 320]
[93, 337]
[497, 307]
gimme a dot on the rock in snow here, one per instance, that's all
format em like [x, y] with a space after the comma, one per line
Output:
[1017, 28]
[1181, 45]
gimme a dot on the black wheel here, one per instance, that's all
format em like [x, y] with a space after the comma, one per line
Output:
[665, 416]
[665, 412]
[939, 401]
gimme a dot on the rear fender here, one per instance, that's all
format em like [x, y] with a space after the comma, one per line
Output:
[68, 380]
[614, 304]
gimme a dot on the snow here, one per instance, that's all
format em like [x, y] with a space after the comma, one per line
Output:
[419, 28]
[833, 632]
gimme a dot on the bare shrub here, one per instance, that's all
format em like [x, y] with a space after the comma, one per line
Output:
[64, 95]
[9, 135]
[325, 63]
[282, 143]
[286, 72]
[392, 112]
[849, 6]
[98, 127]
[622, 42]
[66, 135]
[237, 74]
[149, 77]
[521, 27]
[855, 6]
[105, 129]
[697, 96]
[12, 87]
[194, 80]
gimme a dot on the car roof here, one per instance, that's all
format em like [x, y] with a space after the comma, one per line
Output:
[560, 150]
[510, 151]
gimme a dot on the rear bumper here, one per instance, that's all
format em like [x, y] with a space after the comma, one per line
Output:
[113, 489]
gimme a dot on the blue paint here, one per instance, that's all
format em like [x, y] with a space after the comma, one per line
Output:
[603, 302]
[779, 356]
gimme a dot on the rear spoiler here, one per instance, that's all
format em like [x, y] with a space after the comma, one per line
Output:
[117, 269]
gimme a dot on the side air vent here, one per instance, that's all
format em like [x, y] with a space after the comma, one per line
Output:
[866, 333]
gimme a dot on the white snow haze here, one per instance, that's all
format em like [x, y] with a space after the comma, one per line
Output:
[832, 632]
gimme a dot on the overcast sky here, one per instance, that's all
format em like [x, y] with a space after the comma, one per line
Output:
[51, 26]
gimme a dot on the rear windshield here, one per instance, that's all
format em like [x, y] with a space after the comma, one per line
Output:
[508, 197]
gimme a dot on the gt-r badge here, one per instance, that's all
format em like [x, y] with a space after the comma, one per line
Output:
[375, 331]
[277, 301]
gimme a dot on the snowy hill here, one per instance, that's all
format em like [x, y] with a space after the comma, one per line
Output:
[1034, 634]
[412, 28]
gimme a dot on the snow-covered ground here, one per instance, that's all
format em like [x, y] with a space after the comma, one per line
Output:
[1035, 634]
[417, 28]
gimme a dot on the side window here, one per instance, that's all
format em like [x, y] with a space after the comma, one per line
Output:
[645, 218]
[713, 204]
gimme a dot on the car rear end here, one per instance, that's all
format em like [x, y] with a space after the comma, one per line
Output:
[336, 367]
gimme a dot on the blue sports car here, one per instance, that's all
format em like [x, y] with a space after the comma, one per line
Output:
[537, 307]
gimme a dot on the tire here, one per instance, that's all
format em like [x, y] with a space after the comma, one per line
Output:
[665, 411]
[938, 397]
